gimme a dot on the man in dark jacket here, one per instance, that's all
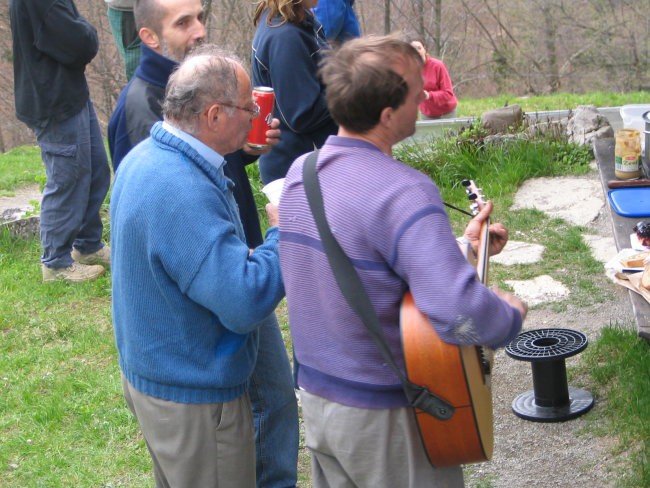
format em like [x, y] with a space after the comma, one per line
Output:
[52, 44]
[165, 42]
[164, 45]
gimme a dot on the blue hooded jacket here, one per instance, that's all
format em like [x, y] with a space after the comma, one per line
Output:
[286, 57]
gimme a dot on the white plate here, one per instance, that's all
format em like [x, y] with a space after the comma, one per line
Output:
[615, 262]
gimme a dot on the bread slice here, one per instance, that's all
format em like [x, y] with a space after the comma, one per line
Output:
[636, 260]
[645, 277]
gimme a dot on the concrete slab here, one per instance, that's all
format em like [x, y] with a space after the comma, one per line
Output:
[602, 248]
[518, 252]
[576, 200]
[539, 290]
[16, 206]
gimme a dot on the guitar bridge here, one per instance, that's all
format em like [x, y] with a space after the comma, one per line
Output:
[486, 361]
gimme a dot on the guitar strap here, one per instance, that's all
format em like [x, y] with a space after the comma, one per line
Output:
[355, 294]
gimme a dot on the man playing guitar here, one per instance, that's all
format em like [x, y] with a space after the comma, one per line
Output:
[391, 223]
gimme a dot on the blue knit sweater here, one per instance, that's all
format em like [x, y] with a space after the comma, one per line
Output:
[187, 296]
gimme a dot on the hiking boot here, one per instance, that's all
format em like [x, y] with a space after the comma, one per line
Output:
[74, 273]
[103, 257]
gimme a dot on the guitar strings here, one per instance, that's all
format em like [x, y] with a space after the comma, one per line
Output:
[449, 204]
[459, 209]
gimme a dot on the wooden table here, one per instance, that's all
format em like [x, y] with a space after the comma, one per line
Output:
[622, 227]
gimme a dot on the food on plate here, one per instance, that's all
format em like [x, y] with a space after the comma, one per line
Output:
[642, 230]
[645, 277]
[636, 260]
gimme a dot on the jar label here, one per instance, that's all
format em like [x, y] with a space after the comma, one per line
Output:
[627, 163]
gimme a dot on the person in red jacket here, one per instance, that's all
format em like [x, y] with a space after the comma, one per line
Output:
[439, 99]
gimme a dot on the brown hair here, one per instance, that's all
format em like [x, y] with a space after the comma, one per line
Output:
[361, 79]
[291, 11]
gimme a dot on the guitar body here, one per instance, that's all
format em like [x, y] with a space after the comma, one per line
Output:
[456, 374]
[460, 375]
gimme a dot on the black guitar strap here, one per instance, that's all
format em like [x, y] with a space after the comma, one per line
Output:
[356, 296]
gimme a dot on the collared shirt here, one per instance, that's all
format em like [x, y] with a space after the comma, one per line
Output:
[209, 154]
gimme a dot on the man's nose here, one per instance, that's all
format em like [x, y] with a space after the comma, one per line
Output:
[199, 31]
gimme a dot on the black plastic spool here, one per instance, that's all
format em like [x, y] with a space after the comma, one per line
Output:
[551, 399]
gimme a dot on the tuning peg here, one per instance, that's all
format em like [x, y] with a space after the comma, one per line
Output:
[472, 196]
[466, 183]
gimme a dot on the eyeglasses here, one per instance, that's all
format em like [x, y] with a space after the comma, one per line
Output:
[255, 112]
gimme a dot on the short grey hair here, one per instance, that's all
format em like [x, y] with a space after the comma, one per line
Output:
[207, 75]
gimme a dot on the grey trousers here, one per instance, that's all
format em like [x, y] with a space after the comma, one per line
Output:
[202, 445]
[368, 448]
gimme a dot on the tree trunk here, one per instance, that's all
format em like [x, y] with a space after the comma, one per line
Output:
[438, 28]
[387, 27]
[550, 34]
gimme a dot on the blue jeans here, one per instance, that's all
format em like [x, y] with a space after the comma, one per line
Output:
[275, 411]
[78, 178]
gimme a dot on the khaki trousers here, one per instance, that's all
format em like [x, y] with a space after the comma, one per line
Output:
[368, 448]
[200, 445]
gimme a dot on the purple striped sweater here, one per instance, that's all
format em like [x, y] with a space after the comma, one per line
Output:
[390, 220]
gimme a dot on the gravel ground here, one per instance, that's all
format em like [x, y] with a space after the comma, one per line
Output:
[562, 454]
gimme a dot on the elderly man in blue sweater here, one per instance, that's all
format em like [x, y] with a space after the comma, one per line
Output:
[169, 29]
[188, 294]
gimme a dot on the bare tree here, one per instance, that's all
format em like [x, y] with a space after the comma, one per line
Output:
[489, 46]
[387, 19]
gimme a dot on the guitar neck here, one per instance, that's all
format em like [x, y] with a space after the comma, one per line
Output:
[482, 259]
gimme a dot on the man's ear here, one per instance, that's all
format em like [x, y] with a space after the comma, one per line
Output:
[213, 113]
[150, 39]
[386, 116]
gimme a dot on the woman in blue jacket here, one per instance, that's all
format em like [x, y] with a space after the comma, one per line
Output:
[287, 49]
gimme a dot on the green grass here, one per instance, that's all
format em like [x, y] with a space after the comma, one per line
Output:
[471, 107]
[499, 170]
[63, 420]
[19, 167]
[619, 364]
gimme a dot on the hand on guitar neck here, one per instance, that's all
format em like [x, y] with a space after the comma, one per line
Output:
[498, 233]
[498, 237]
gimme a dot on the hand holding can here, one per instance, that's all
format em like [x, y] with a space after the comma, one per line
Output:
[264, 98]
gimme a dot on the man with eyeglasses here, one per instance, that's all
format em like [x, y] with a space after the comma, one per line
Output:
[169, 29]
[189, 296]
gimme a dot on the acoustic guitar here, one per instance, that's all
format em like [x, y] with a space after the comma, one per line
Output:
[458, 374]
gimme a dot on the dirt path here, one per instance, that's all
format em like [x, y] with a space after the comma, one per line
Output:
[14, 206]
[564, 454]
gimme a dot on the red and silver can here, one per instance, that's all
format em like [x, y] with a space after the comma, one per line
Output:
[264, 98]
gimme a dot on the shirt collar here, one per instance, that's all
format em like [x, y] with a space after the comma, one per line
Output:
[209, 154]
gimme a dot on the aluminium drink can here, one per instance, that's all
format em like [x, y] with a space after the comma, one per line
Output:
[264, 97]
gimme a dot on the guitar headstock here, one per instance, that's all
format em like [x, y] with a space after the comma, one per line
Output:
[475, 195]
